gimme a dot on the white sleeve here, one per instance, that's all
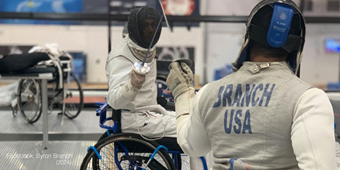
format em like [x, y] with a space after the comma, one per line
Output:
[191, 134]
[312, 132]
[118, 72]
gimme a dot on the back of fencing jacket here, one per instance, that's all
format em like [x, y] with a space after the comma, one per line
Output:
[248, 116]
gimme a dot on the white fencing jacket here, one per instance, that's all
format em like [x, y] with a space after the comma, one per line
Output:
[274, 122]
[118, 72]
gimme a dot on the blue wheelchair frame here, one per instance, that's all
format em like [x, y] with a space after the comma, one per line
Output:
[101, 112]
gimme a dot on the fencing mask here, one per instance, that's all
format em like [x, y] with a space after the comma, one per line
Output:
[142, 26]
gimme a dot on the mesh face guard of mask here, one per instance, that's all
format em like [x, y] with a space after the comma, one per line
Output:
[142, 25]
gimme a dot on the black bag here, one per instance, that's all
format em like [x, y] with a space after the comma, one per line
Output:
[17, 63]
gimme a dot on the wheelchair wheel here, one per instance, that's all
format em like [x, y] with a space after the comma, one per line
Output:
[29, 99]
[178, 156]
[104, 135]
[126, 151]
[74, 105]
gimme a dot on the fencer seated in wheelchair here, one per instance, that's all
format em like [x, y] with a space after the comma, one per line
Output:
[41, 60]
[131, 73]
[135, 95]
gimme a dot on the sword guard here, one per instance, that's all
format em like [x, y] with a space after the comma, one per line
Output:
[142, 70]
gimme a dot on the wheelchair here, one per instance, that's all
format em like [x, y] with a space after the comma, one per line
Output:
[128, 151]
[29, 99]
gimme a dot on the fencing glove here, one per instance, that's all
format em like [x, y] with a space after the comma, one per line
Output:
[180, 78]
[132, 86]
[137, 80]
[180, 81]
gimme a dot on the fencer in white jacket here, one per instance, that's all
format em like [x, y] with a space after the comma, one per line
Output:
[135, 94]
[140, 111]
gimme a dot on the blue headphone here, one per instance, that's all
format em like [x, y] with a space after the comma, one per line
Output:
[280, 25]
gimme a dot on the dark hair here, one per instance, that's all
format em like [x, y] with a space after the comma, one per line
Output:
[263, 19]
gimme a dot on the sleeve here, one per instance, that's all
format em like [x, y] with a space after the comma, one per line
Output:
[312, 132]
[191, 133]
[118, 72]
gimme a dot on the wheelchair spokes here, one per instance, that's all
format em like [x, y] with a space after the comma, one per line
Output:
[29, 99]
[115, 155]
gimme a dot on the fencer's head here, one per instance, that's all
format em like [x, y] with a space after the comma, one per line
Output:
[142, 26]
[262, 19]
[275, 29]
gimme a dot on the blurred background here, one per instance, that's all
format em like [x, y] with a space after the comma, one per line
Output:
[212, 45]
[83, 28]
[209, 32]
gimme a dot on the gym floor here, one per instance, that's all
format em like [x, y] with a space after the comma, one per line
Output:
[63, 154]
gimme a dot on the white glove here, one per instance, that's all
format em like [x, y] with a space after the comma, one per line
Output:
[179, 82]
[137, 80]
[180, 78]
[132, 86]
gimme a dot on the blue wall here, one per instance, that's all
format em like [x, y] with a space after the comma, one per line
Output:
[36, 6]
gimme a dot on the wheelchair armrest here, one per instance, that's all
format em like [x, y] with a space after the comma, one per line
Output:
[102, 108]
[101, 112]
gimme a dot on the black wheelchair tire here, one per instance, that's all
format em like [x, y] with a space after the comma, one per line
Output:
[104, 135]
[81, 97]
